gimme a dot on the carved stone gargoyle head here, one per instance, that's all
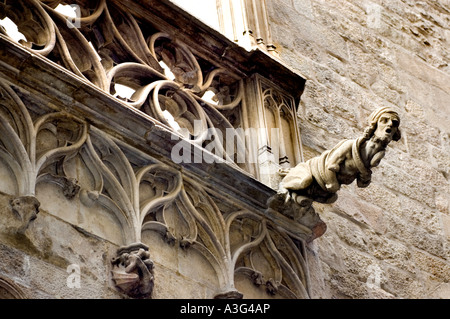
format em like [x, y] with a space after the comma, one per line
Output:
[320, 178]
[26, 209]
[132, 271]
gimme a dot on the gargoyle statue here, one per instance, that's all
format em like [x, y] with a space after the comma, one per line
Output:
[319, 178]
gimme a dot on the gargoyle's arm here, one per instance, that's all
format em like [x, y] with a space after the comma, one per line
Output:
[338, 155]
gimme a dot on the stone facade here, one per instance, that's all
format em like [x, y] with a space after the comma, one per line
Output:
[390, 240]
[93, 203]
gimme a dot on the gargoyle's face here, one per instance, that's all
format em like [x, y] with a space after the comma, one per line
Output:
[387, 127]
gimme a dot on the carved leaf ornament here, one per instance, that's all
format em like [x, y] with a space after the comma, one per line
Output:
[109, 47]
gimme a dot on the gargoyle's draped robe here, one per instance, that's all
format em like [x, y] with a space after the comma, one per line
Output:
[345, 160]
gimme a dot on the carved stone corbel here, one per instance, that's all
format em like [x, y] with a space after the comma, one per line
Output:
[299, 209]
[132, 271]
[26, 209]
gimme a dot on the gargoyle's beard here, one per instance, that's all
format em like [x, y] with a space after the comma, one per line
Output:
[383, 141]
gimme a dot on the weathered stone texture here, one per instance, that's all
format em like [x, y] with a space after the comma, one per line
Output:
[391, 239]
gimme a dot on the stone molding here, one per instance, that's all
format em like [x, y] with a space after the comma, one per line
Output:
[26, 209]
[232, 241]
[9, 290]
[133, 271]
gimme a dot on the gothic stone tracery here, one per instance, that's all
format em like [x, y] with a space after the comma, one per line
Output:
[51, 143]
[321, 177]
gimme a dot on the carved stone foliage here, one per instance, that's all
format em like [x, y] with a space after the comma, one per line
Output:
[267, 256]
[9, 290]
[196, 97]
[133, 271]
[156, 197]
[130, 193]
[31, 147]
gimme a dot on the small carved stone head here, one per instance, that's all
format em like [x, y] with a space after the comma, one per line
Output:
[384, 124]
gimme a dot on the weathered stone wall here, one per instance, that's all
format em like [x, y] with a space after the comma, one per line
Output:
[391, 239]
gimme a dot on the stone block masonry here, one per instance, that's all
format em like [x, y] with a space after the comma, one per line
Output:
[390, 240]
